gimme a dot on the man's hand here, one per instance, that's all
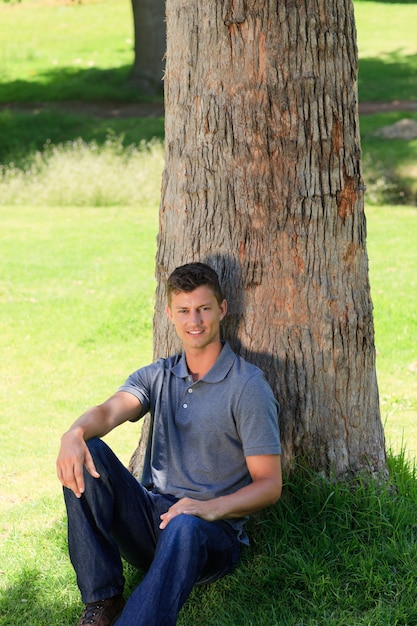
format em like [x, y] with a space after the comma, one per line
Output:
[264, 490]
[72, 457]
[95, 422]
[207, 510]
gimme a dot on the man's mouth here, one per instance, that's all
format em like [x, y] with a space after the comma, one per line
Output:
[195, 332]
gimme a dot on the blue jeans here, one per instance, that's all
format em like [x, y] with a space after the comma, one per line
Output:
[116, 516]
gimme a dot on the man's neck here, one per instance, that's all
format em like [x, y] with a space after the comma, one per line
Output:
[199, 362]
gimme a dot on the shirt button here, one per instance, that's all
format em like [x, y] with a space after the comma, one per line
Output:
[185, 405]
[190, 391]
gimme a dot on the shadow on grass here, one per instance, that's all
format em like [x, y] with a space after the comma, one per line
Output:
[25, 603]
[393, 77]
[389, 164]
[326, 554]
[68, 116]
[44, 591]
[73, 83]
[23, 133]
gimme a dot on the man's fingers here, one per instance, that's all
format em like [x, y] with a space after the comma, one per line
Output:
[185, 506]
[71, 473]
[89, 463]
[72, 478]
[167, 517]
[79, 474]
[78, 486]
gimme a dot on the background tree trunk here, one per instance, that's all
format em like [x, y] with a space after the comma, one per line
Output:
[150, 40]
[263, 180]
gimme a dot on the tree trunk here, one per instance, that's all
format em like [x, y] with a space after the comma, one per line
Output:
[149, 26]
[263, 180]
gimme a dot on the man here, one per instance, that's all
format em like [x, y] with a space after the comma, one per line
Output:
[213, 458]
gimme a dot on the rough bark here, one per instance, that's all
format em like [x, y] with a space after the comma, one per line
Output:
[263, 180]
[150, 40]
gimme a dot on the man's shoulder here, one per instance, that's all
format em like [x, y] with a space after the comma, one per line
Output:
[159, 366]
[245, 367]
[246, 375]
[167, 362]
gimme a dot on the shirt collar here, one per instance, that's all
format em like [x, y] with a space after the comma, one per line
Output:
[217, 373]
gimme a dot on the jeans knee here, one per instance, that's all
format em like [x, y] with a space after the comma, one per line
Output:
[99, 450]
[185, 528]
[95, 446]
[101, 454]
[185, 522]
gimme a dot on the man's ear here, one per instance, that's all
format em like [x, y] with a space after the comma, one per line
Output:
[223, 309]
[168, 312]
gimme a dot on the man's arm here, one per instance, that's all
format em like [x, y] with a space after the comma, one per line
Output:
[96, 422]
[264, 490]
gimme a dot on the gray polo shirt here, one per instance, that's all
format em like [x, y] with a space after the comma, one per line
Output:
[202, 431]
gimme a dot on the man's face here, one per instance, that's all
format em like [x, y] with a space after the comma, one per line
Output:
[196, 316]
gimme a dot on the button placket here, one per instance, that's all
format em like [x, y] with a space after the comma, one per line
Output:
[189, 392]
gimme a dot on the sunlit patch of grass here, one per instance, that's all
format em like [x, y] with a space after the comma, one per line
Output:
[55, 53]
[392, 233]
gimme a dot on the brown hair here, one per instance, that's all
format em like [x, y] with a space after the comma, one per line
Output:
[192, 275]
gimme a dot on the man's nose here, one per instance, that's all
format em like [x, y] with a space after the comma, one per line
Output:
[195, 317]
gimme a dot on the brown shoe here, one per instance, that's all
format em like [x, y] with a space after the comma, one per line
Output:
[102, 612]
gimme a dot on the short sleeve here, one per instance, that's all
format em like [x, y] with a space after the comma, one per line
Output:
[257, 418]
[138, 385]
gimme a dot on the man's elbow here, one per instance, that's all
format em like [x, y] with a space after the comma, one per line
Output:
[276, 492]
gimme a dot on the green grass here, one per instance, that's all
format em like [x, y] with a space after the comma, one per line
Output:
[24, 134]
[387, 51]
[392, 233]
[77, 51]
[73, 61]
[76, 295]
[390, 165]
[327, 554]
[78, 226]
[86, 174]
[387, 43]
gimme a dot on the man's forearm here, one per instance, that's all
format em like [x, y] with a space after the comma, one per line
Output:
[247, 500]
[90, 424]
[101, 419]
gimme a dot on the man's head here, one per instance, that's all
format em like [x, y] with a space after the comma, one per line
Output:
[196, 307]
[188, 277]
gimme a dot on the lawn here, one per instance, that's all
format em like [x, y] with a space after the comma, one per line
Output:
[387, 50]
[77, 296]
[392, 233]
[87, 54]
[78, 225]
